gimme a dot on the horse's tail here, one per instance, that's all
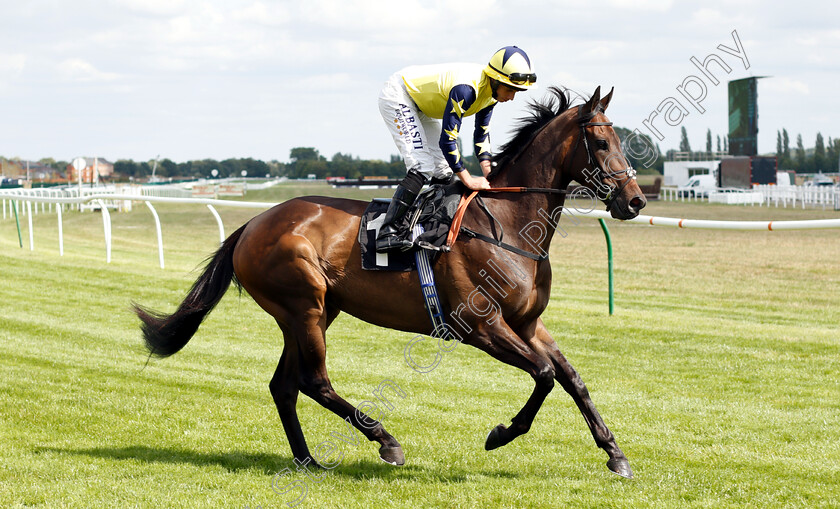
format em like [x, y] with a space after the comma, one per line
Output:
[167, 334]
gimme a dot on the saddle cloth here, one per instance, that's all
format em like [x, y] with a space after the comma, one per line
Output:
[433, 211]
[429, 219]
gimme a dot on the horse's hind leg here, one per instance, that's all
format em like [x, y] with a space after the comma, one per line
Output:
[573, 384]
[284, 387]
[315, 383]
[290, 285]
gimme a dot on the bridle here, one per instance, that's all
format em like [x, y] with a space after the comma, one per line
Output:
[584, 121]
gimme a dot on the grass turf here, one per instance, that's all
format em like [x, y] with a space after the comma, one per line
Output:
[719, 375]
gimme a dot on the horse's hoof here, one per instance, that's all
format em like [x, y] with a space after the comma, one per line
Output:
[392, 455]
[620, 467]
[494, 438]
[309, 462]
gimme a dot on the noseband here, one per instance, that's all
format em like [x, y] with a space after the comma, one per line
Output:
[584, 121]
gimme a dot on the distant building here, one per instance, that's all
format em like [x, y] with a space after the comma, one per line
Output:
[17, 169]
[95, 169]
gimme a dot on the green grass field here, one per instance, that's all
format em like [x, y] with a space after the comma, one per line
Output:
[719, 375]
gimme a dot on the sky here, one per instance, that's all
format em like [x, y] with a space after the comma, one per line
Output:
[182, 79]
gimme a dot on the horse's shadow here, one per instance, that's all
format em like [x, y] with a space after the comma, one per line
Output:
[234, 461]
[271, 464]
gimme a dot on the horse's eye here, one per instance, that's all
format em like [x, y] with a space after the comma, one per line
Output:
[601, 144]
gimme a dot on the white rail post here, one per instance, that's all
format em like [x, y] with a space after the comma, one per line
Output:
[106, 223]
[31, 233]
[219, 222]
[60, 231]
[159, 234]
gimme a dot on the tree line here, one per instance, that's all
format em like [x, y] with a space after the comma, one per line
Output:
[308, 161]
[164, 168]
[303, 163]
[722, 143]
[822, 157]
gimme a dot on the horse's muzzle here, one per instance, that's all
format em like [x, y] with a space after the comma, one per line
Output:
[628, 209]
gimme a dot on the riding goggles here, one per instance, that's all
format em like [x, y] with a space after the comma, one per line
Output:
[521, 78]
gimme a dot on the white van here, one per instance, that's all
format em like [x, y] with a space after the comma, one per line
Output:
[697, 186]
[783, 178]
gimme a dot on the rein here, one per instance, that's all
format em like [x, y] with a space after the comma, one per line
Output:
[465, 201]
[522, 190]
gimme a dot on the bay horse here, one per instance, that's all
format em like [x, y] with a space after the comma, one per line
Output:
[301, 263]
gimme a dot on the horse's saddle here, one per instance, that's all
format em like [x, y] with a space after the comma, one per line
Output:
[433, 211]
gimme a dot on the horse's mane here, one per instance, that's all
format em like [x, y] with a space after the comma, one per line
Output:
[541, 113]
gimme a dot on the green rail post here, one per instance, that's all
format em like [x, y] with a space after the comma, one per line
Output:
[17, 222]
[609, 262]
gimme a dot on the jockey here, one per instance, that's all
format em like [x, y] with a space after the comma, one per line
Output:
[422, 102]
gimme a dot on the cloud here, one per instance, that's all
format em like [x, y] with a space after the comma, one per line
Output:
[336, 82]
[328, 58]
[154, 7]
[76, 69]
[11, 68]
[707, 17]
[784, 84]
[711, 18]
[642, 5]
[599, 52]
[262, 13]
[12, 65]
[413, 20]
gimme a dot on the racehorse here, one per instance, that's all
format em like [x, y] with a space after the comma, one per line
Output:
[301, 263]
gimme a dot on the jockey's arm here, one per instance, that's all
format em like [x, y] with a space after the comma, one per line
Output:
[460, 99]
[481, 139]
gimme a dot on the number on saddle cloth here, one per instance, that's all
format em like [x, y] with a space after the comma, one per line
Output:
[433, 210]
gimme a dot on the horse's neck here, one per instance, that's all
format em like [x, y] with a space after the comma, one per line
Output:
[540, 163]
[528, 170]
[536, 167]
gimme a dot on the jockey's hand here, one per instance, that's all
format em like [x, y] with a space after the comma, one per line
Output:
[474, 183]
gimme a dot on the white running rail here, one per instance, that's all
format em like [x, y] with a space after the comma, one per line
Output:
[33, 199]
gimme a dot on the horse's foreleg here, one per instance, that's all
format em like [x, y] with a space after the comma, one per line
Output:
[503, 344]
[573, 384]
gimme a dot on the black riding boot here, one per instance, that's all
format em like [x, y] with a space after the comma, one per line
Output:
[393, 233]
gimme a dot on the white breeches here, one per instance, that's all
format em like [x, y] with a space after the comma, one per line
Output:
[415, 134]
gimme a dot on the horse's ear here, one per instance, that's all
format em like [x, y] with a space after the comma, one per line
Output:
[606, 100]
[593, 101]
